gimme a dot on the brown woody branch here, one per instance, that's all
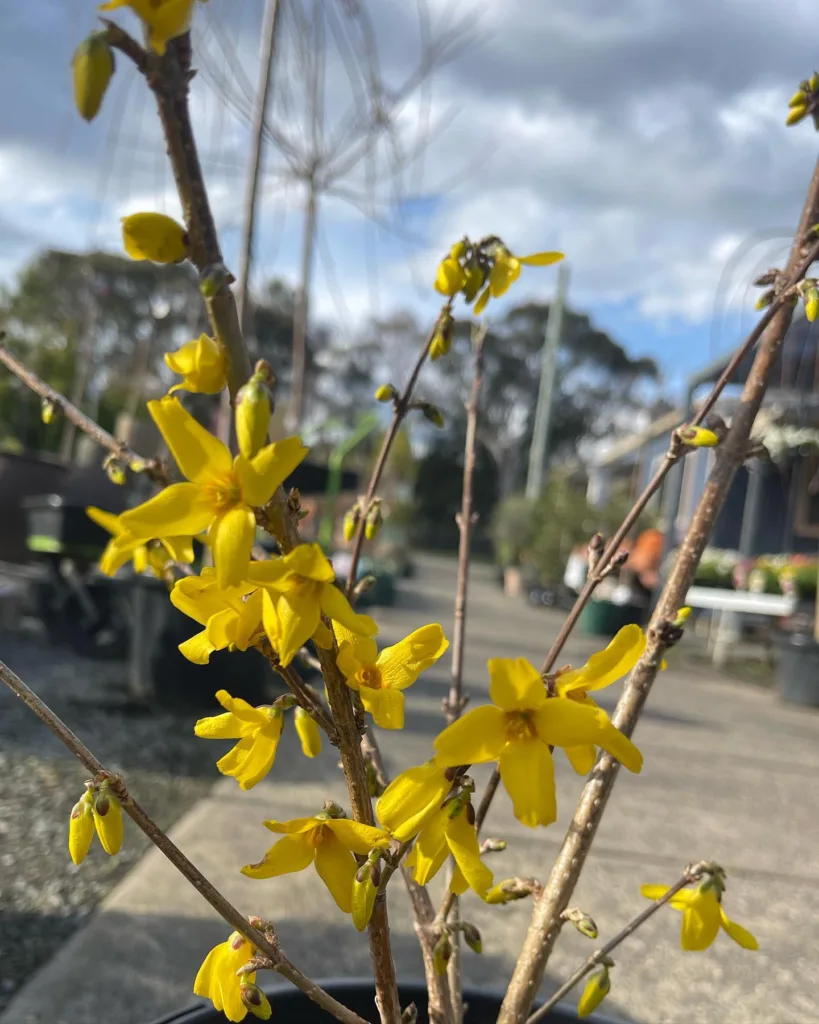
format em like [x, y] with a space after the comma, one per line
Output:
[221, 905]
[401, 408]
[153, 468]
[729, 456]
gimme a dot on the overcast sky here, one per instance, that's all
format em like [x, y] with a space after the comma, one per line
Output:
[645, 138]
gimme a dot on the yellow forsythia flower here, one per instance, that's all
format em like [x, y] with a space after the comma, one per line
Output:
[258, 731]
[412, 798]
[81, 828]
[123, 547]
[450, 277]
[381, 678]
[201, 364]
[217, 979]
[602, 669]
[703, 916]
[155, 237]
[597, 988]
[221, 494]
[165, 19]
[327, 842]
[517, 730]
[93, 68]
[308, 732]
[298, 589]
[450, 831]
[232, 616]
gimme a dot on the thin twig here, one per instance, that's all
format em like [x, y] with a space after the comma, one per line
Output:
[455, 702]
[222, 906]
[402, 407]
[729, 456]
[599, 955]
[153, 468]
[304, 694]
[675, 453]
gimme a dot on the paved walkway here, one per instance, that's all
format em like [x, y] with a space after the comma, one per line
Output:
[729, 775]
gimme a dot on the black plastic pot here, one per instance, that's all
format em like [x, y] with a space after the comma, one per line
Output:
[797, 671]
[291, 1006]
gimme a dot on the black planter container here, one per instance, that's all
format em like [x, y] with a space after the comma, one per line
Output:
[797, 671]
[290, 1006]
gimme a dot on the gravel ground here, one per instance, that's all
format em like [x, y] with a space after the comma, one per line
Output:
[43, 897]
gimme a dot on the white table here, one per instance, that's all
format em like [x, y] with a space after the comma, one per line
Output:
[726, 604]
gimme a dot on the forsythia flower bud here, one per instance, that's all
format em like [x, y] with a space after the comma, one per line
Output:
[116, 472]
[682, 616]
[442, 340]
[813, 82]
[81, 828]
[155, 237]
[509, 889]
[108, 820]
[799, 99]
[47, 411]
[472, 937]
[698, 437]
[375, 517]
[796, 114]
[442, 953]
[308, 732]
[365, 890]
[93, 67]
[386, 393]
[255, 1000]
[432, 413]
[351, 520]
[410, 1014]
[253, 411]
[597, 988]
[765, 299]
[812, 303]
[458, 250]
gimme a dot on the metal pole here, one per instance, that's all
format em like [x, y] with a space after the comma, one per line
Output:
[536, 475]
[270, 19]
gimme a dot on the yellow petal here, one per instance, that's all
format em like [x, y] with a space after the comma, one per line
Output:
[739, 934]
[401, 664]
[323, 637]
[308, 732]
[527, 772]
[462, 840]
[336, 867]
[307, 560]
[541, 259]
[176, 510]
[295, 825]
[477, 737]
[268, 469]
[198, 649]
[483, 298]
[233, 760]
[120, 550]
[200, 456]
[700, 923]
[231, 537]
[562, 722]
[292, 618]
[581, 758]
[356, 653]
[515, 684]
[503, 275]
[180, 549]
[336, 606]
[356, 836]
[222, 727]
[206, 984]
[427, 856]
[261, 755]
[198, 597]
[291, 853]
[608, 665]
[411, 798]
[107, 520]
[386, 707]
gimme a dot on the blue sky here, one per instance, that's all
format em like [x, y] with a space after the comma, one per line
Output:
[645, 139]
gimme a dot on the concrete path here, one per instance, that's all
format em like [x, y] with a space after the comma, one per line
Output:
[729, 775]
